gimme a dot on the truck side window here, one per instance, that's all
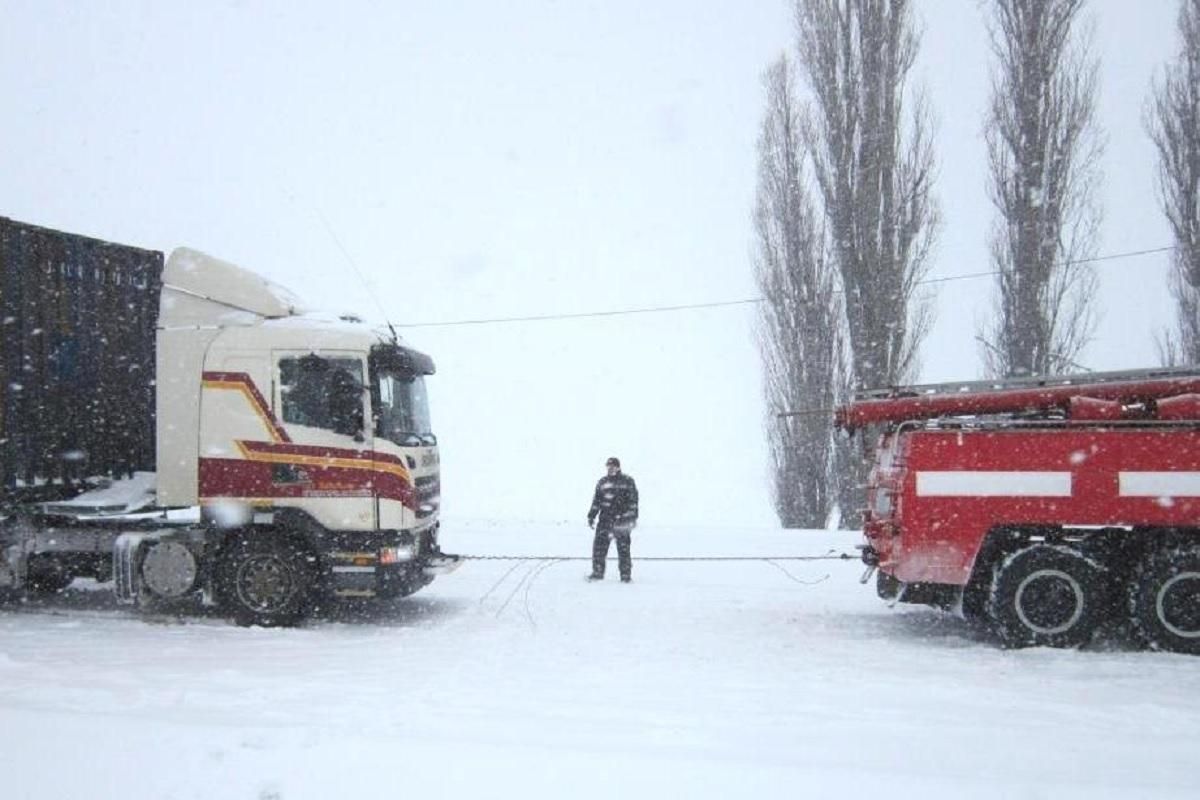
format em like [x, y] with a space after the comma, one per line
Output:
[322, 392]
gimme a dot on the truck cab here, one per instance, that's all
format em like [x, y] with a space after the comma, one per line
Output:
[293, 462]
[292, 426]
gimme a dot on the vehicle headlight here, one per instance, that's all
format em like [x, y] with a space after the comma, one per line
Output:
[397, 555]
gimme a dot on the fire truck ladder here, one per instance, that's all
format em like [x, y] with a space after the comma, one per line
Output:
[1030, 382]
[1033, 395]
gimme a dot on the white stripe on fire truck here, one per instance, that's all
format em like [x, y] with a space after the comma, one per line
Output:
[983, 483]
[1159, 484]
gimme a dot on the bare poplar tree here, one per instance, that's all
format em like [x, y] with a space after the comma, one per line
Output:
[874, 171]
[1173, 119]
[799, 331]
[1043, 154]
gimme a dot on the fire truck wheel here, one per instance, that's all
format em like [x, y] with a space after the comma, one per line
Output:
[1165, 599]
[886, 586]
[1047, 595]
[264, 580]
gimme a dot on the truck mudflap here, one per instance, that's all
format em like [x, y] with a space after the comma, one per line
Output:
[126, 585]
[12, 566]
[15, 537]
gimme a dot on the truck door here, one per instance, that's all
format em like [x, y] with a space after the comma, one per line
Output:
[324, 406]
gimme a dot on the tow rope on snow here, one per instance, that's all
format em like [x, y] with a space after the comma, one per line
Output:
[828, 557]
[531, 575]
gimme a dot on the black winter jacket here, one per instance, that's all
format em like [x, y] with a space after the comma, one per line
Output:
[615, 502]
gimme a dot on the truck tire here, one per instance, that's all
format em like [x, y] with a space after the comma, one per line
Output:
[265, 580]
[47, 575]
[1165, 599]
[1047, 595]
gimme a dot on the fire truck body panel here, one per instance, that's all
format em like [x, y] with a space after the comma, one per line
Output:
[1043, 507]
[952, 487]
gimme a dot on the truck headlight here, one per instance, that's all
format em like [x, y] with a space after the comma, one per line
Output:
[397, 555]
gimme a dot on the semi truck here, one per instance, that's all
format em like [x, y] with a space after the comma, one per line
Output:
[189, 432]
[1044, 507]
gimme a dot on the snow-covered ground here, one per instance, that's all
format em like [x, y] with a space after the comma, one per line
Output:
[700, 679]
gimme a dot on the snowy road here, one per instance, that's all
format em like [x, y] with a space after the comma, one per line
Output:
[697, 680]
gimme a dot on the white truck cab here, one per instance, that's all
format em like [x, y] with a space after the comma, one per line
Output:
[303, 438]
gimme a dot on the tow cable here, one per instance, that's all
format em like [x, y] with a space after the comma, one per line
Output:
[827, 557]
[530, 577]
[831, 556]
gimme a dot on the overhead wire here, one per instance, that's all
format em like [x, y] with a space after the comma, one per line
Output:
[354, 266]
[748, 300]
[581, 314]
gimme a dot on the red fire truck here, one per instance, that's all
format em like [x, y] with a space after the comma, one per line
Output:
[1043, 506]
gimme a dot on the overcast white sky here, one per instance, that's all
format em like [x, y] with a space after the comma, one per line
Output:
[482, 159]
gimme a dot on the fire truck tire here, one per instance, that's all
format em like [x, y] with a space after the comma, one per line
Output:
[1047, 596]
[265, 580]
[886, 586]
[1165, 600]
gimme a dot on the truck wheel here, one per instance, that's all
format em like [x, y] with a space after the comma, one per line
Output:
[1165, 599]
[47, 575]
[1047, 595]
[264, 580]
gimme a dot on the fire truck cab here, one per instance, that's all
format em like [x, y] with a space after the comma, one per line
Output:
[1045, 507]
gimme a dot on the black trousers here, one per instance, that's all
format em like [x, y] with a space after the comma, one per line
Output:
[600, 550]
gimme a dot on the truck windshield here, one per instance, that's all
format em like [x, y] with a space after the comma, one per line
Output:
[402, 409]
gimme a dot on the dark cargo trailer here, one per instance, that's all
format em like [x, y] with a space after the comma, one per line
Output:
[77, 331]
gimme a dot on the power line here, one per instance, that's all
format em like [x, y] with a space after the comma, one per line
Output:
[1072, 262]
[750, 300]
[614, 313]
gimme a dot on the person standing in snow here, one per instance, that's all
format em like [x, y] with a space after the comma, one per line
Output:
[614, 514]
